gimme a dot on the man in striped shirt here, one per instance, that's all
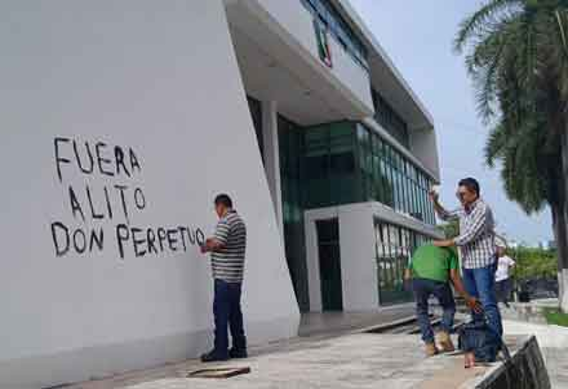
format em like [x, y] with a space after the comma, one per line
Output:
[476, 242]
[227, 247]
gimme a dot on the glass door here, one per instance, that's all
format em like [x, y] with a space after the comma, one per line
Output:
[330, 264]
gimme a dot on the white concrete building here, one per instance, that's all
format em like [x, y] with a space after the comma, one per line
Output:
[122, 120]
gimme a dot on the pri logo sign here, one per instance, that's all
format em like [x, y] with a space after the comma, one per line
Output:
[323, 43]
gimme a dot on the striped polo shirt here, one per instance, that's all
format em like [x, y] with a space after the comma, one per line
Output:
[228, 263]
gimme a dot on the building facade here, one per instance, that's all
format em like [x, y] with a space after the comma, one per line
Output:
[122, 120]
[340, 133]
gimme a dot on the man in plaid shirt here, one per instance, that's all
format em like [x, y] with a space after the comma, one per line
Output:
[476, 242]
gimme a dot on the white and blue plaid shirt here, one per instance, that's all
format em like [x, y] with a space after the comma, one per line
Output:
[476, 240]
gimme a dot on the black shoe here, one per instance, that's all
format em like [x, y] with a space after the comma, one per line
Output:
[213, 356]
[238, 353]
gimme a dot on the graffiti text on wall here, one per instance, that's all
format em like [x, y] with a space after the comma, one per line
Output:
[109, 193]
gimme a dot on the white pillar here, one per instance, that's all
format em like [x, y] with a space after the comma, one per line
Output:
[272, 158]
[312, 258]
[358, 264]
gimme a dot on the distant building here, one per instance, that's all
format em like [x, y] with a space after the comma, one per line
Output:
[547, 245]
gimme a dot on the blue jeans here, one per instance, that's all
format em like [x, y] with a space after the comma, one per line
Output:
[480, 283]
[503, 289]
[227, 312]
[423, 289]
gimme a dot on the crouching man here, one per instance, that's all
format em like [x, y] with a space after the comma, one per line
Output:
[227, 248]
[431, 270]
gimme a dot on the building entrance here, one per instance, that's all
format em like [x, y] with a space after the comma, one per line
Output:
[330, 264]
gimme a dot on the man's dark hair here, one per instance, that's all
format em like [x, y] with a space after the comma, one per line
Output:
[224, 199]
[471, 184]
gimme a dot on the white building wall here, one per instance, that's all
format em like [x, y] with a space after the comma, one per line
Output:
[272, 158]
[424, 147]
[160, 78]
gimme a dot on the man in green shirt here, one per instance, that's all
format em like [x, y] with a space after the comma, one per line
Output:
[431, 270]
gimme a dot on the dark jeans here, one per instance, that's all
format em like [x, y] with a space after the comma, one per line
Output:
[423, 289]
[480, 283]
[503, 289]
[227, 312]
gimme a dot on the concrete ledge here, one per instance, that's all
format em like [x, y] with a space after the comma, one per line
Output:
[525, 371]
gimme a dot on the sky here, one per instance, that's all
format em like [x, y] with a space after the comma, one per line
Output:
[417, 35]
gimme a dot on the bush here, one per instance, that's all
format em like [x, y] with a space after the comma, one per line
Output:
[534, 263]
[554, 316]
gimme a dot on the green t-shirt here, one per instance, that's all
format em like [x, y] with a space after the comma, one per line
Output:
[433, 263]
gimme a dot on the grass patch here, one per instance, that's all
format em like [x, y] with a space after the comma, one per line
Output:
[554, 316]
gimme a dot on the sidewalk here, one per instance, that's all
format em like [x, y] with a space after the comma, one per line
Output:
[340, 357]
[313, 327]
[352, 361]
[529, 312]
[356, 360]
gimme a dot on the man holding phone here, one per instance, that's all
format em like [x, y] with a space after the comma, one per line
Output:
[227, 247]
[476, 242]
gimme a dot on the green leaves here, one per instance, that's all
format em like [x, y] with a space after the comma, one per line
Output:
[532, 263]
[479, 24]
[516, 52]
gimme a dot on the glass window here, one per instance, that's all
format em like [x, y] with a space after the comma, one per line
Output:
[326, 13]
[391, 121]
[291, 139]
[408, 194]
[416, 201]
[385, 175]
[256, 114]
[330, 165]
[394, 247]
[342, 163]
[401, 200]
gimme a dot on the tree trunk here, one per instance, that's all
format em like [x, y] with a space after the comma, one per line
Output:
[560, 218]
[559, 226]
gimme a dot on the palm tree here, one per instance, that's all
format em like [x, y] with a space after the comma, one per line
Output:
[517, 55]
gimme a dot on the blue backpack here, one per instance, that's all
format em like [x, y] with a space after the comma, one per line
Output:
[478, 338]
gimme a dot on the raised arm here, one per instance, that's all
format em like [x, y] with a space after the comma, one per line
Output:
[442, 212]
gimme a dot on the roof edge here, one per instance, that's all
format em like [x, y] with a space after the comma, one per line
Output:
[377, 50]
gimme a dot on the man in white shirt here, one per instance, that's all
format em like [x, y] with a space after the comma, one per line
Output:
[503, 282]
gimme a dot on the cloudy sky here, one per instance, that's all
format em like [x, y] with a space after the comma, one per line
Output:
[418, 35]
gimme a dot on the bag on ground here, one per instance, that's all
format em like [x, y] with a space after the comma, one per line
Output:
[478, 338]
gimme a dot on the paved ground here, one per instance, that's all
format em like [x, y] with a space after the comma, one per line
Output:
[332, 354]
[529, 312]
[352, 361]
[336, 323]
[313, 327]
[359, 360]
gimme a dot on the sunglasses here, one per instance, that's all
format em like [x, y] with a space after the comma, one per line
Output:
[461, 195]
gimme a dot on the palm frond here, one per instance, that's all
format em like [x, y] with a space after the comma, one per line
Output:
[472, 26]
[496, 145]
